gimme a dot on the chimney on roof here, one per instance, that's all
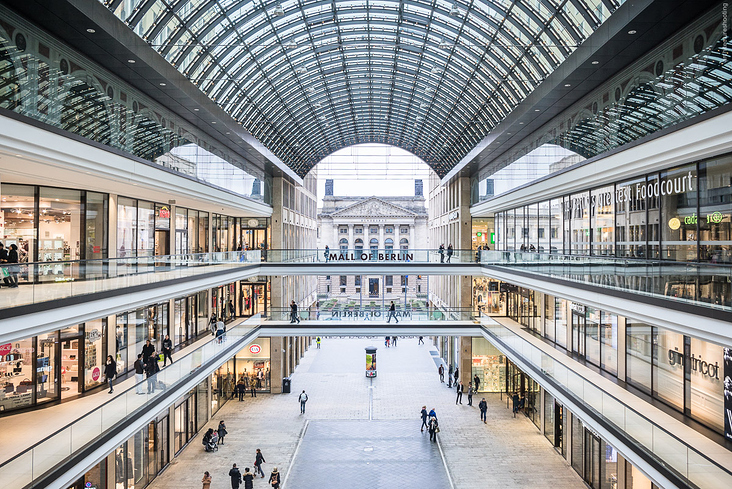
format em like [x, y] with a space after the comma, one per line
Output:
[418, 187]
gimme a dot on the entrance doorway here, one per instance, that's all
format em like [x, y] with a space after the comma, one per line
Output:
[373, 287]
[253, 299]
[592, 459]
[71, 375]
[578, 333]
[162, 242]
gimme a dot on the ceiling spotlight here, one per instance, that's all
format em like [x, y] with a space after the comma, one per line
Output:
[595, 62]
[567, 84]
[91, 31]
[536, 110]
[196, 110]
[162, 84]
[631, 32]
[131, 61]
[521, 123]
[455, 11]
[278, 11]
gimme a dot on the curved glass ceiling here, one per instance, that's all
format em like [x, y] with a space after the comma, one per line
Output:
[308, 77]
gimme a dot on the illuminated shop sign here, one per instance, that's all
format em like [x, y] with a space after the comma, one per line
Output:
[659, 188]
[675, 357]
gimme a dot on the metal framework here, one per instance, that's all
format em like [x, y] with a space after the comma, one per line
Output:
[308, 77]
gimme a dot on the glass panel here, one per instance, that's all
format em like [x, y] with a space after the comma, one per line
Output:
[630, 219]
[561, 309]
[59, 233]
[94, 352]
[678, 203]
[609, 334]
[668, 367]
[603, 229]
[96, 225]
[126, 227]
[581, 223]
[592, 341]
[640, 349]
[18, 217]
[707, 383]
[145, 228]
[47, 387]
[557, 226]
[715, 202]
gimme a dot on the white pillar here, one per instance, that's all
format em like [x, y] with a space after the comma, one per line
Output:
[350, 237]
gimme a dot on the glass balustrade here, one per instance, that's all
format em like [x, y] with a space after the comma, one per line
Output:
[366, 313]
[45, 281]
[31, 464]
[702, 284]
[668, 449]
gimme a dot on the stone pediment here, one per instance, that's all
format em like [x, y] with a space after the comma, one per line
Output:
[373, 207]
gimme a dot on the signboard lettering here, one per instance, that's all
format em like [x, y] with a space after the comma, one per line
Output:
[371, 256]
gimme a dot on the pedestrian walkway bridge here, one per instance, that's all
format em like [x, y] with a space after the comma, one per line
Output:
[650, 439]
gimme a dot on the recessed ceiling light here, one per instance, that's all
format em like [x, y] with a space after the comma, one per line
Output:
[632, 31]
[595, 62]
[536, 110]
[521, 123]
[91, 31]
[131, 61]
[227, 132]
[195, 110]
[162, 84]
[18, 156]
[213, 122]
[567, 84]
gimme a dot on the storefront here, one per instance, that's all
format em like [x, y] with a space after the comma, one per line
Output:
[487, 297]
[223, 300]
[254, 297]
[253, 233]
[489, 365]
[522, 306]
[53, 366]
[483, 235]
[680, 214]
[190, 318]
[191, 231]
[51, 225]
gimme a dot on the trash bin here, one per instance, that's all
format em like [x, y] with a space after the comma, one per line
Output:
[286, 382]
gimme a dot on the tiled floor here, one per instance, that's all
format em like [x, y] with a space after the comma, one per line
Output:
[507, 452]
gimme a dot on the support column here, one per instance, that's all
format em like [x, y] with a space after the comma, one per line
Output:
[112, 227]
[171, 233]
[622, 337]
[412, 244]
[466, 361]
[381, 237]
[276, 364]
[351, 244]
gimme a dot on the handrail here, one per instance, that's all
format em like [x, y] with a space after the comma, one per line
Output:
[709, 474]
[657, 278]
[64, 442]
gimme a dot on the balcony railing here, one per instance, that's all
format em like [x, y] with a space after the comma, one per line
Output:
[701, 284]
[26, 468]
[44, 281]
[367, 313]
[667, 448]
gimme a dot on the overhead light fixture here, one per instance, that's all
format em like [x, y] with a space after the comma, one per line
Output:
[521, 123]
[196, 110]
[162, 84]
[595, 62]
[278, 11]
[131, 61]
[91, 31]
[455, 10]
[536, 110]
[567, 84]
[632, 32]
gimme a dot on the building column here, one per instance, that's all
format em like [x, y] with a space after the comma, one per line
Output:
[112, 227]
[381, 236]
[171, 233]
[276, 371]
[466, 360]
[351, 244]
[622, 338]
[412, 244]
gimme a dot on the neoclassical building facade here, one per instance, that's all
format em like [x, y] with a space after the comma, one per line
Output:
[369, 223]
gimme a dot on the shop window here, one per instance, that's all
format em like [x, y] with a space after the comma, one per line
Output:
[678, 242]
[18, 213]
[489, 365]
[715, 232]
[549, 306]
[639, 346]
[17, 366]
[668, 369]
[592, 335]
[602, 214]
[95, 352]
[707, 383]
[609, 335]
[560, 320]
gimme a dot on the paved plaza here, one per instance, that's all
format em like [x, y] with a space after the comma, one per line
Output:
[356, 436]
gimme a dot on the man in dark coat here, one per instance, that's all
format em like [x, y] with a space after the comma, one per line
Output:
[151, 368]
[167, 350]
[147, 350]
[424, 419]
[483, 406]
[248, 479]
[476, 380]
[459, 393]
[235, 477]
[441, 371]
[450, 371]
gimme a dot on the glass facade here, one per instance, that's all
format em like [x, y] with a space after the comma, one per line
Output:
[489, 365]
[680, 214]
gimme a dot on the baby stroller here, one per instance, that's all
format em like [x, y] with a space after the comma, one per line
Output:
[211, 441]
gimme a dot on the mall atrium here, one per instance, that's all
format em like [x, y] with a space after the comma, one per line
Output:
[216, 214]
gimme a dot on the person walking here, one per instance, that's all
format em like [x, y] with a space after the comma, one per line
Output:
[252, 388]
[139, 374]
[258, 461]
[147, 350]
[303, 398]
[4, 259]
[212, 325]
[483, 406]
[241, 389]
[457, 374]
[206, 480]
[151, 368]
[232, 309]
[394, 340]
[167, 350]
[222, 431]
[13, 267]
[326, 254]
[476, 379]
[392, 313]
[110, 370]
[459, 390]
[424, 419]
[274, 479]
[317, 342]
[248, 479]
[293, 313]
[235, 477]
[450, 371]
[441, 251]
[433, 429]
[220, 330]
[449, 252]
[433, 413]
[441, 371]
[470, 395]
[387, 341]
[421, 340]
[515, 402]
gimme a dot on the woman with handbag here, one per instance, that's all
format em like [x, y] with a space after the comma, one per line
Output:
[274, 479]
[433, 429]
[206, 480]
[110, 370]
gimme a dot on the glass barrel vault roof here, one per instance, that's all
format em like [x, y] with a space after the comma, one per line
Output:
[308, 77]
